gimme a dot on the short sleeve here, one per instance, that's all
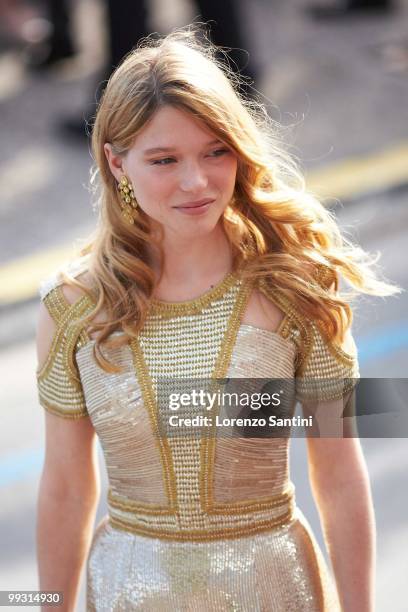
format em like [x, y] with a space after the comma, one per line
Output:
[325, 370]
[58, 380]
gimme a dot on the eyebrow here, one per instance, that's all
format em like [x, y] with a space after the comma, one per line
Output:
[170, 149]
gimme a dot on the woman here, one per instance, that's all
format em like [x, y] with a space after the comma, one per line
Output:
[209, 261]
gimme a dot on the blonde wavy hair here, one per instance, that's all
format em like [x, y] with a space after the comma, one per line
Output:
[279, 233]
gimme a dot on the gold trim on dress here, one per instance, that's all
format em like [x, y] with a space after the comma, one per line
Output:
[122, 503]
[146, 387]
[178, 309]
[220, 371]
[59, 385]
[207, 535]
[65, 322]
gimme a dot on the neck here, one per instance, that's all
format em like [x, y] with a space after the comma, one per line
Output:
[186, 261]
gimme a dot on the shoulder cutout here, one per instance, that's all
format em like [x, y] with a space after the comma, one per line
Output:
[60, 334]
[263, 313]
[74, 294]
[288, 324]
[317, 358]
[74, 268]
[58, 311]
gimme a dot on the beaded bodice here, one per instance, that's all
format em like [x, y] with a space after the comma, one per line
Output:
[184, 486]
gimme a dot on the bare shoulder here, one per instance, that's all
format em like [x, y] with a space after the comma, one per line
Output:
[262, 312]
[47, 325]
[73, 293]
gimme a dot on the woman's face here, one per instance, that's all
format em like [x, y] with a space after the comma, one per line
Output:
[183, 177]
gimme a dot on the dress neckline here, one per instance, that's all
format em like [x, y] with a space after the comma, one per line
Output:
[198, 303]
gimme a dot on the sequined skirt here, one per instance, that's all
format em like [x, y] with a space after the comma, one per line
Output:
[282, 570]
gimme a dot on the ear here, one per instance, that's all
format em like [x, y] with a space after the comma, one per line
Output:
[115, 161]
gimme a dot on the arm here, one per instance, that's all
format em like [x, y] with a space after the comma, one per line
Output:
[68, 493]
[341, 489]
[337, 470]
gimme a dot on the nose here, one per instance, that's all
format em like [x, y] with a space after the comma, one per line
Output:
[193, 177]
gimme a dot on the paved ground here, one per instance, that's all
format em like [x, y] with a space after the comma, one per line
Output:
[343, 89]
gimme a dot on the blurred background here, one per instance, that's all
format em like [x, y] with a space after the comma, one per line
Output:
[335, 75]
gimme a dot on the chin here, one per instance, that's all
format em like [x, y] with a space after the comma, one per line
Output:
[199, 231]
[201, 227]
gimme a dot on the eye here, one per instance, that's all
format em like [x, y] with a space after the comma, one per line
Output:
[219, 152]
[162, 162]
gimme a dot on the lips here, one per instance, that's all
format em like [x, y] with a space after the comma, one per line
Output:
[196, 204]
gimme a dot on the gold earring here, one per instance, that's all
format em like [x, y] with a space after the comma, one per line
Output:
[128, 200]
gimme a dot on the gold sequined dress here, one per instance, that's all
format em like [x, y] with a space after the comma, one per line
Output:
[196, 523]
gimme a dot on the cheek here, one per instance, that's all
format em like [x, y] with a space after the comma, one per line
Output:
[226, 175]
[152, 187]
